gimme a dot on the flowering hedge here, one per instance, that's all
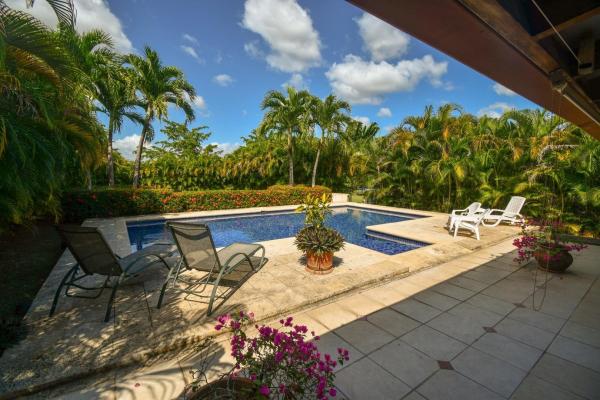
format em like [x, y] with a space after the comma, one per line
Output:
[103, 203]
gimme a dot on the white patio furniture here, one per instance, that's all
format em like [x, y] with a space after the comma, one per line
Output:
[472, 209]
[470, 222]
[510, 214]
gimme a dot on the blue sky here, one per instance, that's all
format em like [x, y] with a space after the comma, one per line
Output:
[234, 51]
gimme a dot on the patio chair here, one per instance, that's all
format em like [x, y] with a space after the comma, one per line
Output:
[510, 214]
[229, 267]
[472, 209]
[470, 222]
[94, 257]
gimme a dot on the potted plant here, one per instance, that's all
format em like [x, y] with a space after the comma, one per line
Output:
[277, 363]
[542, 240]
[317, 241]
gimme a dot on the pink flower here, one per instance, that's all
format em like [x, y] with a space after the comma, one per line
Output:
[264, 390]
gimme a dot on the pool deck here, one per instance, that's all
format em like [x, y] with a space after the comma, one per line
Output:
[75, 343]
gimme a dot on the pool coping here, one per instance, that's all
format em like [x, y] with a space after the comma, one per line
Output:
[268, 211]
[115, 229]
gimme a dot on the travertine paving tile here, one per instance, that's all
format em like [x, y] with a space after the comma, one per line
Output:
[406, 363]
[536, 388]
[436, 300]
[538, 319]
[416, 310]
[460, 327]
[450, 385]
[525, 333]
[393, 322]
[364, 335]
[581, 333]
[493, 373]
[367, 380]
[507, 349]
[577, 352]
[567, 375]
[498, 306]
[433, 343]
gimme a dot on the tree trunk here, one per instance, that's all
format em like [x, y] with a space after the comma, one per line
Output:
[110, 168]
[291, 158]
[314, 172]
[138, 155]
[88, 178]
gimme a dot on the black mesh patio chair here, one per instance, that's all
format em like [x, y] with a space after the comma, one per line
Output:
[229, 267]
[93, 256]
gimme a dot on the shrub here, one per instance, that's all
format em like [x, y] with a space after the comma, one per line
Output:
[319, 240]
[102, 203]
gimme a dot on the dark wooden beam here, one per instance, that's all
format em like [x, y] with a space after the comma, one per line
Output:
[568, 23]
[454, 29]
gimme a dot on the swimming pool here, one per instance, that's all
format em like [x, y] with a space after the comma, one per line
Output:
[351, 222]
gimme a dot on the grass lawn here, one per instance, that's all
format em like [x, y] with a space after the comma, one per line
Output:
[27, 255]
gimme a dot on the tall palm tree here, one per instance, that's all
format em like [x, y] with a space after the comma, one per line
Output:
[116, 95]
[289, 116]
[158, 86]
[330, 115]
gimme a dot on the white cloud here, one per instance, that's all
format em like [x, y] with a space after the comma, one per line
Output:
[253, 49]
[199, 102]
[297, 81]
[381, 39]
[364, 120]
[495, 110]
[502, 90]
[287, 28]
[127, 146]
[189, 50]
[365, 82]
[226, 147]
[223, 80]
[189, 38]
[91, 14]
[384, 112]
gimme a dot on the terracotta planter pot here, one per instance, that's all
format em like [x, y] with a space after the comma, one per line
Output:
[242, 387]
[559, 263]
[319, 264]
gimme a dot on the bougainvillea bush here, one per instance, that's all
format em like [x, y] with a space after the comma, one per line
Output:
[283, 362]
[103, 203]
[542, 237]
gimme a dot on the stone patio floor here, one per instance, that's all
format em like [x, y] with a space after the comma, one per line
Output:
[75, 342]
[476, 327]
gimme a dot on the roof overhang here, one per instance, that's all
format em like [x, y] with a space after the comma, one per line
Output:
[511, 42]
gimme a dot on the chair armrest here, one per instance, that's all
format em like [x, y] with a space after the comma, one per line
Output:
[455, 212]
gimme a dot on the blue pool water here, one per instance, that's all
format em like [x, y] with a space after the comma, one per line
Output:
[349, 221]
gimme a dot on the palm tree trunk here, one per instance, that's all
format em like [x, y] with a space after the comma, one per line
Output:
[110, 168]
[88, 178]
[314, 171]
[291, 158]
[138, 155]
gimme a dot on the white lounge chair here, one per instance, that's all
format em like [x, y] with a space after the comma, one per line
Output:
[472, 209]
[510, 214]
[470, 222]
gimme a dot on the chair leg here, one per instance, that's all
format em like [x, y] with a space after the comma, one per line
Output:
[112, 297]
[164, 286]
[456, 225]
[68, 276]
[477, 232]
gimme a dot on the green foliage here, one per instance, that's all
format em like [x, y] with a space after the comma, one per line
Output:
[319, 240]
[317, 208]
[81, 204]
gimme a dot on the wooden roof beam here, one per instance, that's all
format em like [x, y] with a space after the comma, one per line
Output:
[567, 24]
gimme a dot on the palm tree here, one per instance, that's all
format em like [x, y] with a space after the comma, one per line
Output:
[116, 94]
[46, 119]
[330, 116]
[289, 116]
[158, 86]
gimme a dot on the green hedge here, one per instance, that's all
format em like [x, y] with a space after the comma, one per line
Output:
[105, 203]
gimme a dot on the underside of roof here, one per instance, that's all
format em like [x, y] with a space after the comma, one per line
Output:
[548, 51]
